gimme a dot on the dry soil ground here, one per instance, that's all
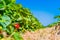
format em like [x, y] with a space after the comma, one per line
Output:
[42, 34]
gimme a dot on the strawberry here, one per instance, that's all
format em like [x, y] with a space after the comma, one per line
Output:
[17, 26]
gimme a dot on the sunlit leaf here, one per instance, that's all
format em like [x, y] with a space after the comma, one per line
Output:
[17, 36]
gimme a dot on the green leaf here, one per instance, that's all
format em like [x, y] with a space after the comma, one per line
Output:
[1, 6]
[5, 21]
[17, 36]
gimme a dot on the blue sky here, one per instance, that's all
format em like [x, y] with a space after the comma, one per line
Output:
[43, 10]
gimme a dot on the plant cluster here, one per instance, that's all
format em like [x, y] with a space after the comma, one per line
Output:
[15, 18]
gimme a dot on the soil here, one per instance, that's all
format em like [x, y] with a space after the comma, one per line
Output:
[43, 34]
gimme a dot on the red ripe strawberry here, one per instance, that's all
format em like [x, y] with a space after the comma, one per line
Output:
[17, 26]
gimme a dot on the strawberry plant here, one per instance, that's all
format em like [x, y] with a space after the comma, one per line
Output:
[15, 18]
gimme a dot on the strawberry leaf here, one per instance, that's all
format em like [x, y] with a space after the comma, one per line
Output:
[5, 21]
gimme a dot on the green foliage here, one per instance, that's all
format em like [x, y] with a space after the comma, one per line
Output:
[57, 17]
[52, 24]
[17, 37]
[4, 21]
[55, 23]
[11, 13]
